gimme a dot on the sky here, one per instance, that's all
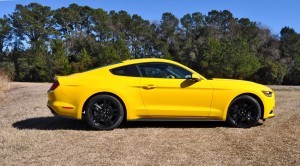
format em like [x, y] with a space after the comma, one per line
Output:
[273, 14]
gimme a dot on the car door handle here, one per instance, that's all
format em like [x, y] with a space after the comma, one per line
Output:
[149, 86]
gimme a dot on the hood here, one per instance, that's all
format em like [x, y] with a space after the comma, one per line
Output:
[219, 83]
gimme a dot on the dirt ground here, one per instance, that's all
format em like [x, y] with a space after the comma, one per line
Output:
[30, 135]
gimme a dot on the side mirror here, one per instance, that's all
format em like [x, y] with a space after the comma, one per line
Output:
[195, 77]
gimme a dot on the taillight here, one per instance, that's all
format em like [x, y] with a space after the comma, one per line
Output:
[54, 85]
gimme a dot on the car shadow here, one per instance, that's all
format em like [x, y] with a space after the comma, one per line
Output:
[58, 123]
[51, 123]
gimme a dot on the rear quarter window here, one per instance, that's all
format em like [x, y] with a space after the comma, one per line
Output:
[129, 70]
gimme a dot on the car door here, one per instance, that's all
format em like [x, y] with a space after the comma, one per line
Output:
[126, 81]
[167, 91]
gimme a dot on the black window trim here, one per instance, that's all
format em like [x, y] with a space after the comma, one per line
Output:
[137, 65]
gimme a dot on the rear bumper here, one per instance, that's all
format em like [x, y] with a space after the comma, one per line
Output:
[52, 111]
[58, 115]
[60, 108]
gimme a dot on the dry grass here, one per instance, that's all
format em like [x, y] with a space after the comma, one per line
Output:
[30, 135]
[4, 83]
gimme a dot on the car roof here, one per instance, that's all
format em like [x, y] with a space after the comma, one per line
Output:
[136, 61]
[144, 60]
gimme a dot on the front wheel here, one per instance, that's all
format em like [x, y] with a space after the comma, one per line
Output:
[104, 112]
[243, 112]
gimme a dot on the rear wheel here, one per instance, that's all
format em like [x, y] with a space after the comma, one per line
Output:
[243, 112]
[104, 112]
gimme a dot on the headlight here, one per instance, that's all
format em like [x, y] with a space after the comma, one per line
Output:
[268, 93]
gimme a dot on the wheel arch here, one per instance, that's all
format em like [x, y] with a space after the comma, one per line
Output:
[105, 93]
[256, 98]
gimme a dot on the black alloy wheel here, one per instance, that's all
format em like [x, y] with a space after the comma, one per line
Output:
[244, 112]
[104, 112]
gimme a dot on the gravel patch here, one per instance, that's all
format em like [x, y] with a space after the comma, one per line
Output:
[30, 135]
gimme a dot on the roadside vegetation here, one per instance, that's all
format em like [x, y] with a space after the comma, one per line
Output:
[4, 82]
[37, 42]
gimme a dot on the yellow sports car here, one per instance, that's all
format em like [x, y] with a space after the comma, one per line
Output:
[157, 89]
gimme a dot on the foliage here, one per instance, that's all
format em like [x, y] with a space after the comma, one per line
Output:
[290, 51]
[4, 82]
[270, 73]
[37, 43]
[8, 68]
[59, 60]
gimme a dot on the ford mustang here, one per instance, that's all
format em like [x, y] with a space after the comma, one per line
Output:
[157, 89]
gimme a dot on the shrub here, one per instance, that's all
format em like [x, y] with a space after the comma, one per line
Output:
[4, 82]
[8, 68]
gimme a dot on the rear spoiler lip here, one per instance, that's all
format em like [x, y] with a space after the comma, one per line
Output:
[66, 80]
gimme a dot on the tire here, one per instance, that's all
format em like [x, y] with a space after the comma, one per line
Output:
[104, 112]
[243, 112]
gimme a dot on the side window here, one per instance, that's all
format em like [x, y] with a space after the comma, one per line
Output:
[129, 70]
[163, 70]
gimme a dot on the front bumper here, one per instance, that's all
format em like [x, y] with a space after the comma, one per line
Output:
[269, 107]
[271, 114]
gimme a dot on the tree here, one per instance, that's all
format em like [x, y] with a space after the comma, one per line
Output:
[34, 66]
[119, 25]
[83, 64]
[33, 22]
[37, 43]
[209, 58]
[168, 27]
[67, 21]
[221, 23]
[109, 55]
[101, 20]
[140, 37]
[5, 29]
[237, 60]
[290, 51]
[271, 72]
[59, 59]
[193, 24]
[289, 43]
[8, 68]
[122, 50]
